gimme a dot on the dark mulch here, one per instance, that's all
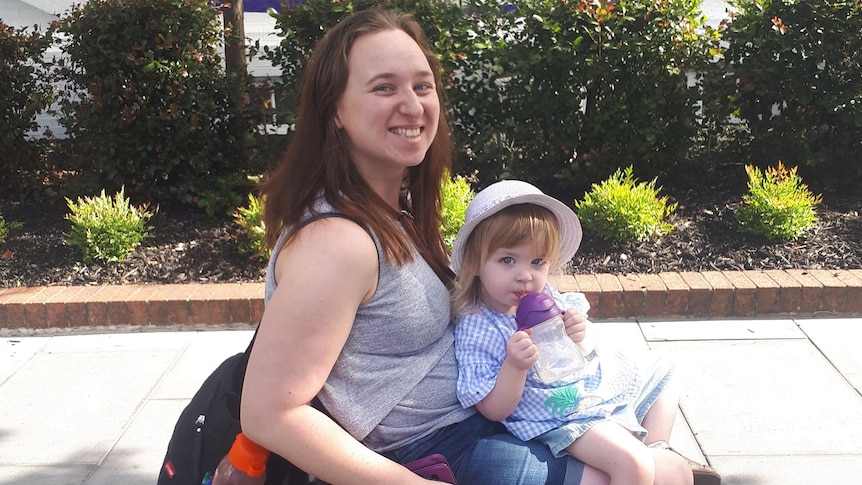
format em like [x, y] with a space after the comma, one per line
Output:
[188, 246]
[706, 235]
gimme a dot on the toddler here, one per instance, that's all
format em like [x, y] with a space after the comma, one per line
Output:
[608, 413]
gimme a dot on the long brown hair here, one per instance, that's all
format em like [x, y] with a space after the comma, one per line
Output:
[317, 158]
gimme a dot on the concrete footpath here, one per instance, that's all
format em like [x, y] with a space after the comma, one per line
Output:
[766, 402]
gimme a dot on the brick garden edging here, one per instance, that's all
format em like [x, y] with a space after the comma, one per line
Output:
[721, 294]
[708, 294]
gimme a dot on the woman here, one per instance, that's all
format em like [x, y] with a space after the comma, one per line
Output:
[357, 309]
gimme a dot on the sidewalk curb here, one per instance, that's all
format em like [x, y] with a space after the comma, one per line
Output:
[709, 294]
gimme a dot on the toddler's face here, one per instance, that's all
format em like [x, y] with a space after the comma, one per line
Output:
[510, 273]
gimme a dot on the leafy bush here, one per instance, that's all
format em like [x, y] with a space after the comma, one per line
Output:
[778, 205]
[221, 195]
[624, 210]
[148, 105]
[6, 227]
[456, 196]
[106, 228]
[593, 83]
[793, 73]
[545, 91]
[24, 93]
[250, 221]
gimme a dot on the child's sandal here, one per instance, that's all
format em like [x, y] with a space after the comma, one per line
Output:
[703, 474]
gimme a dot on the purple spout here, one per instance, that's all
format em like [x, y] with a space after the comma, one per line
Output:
[534, 309]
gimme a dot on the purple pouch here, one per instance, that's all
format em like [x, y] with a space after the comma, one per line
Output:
[432, 467]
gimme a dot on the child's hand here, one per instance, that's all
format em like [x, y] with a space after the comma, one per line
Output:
[576, 325]
[521, 352]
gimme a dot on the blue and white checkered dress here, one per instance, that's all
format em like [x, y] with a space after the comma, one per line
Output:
[610, 387]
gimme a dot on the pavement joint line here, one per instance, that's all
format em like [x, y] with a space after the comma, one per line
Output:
[834, 365]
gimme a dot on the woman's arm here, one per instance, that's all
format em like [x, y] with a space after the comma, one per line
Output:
[323, 276]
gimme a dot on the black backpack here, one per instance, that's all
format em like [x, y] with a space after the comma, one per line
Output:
[207, 427]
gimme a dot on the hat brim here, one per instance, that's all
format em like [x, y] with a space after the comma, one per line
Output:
[570, 226]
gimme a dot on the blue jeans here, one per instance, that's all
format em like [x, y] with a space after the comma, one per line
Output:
[483, 452]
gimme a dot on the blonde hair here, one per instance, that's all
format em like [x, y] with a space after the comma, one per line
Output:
[512, 226]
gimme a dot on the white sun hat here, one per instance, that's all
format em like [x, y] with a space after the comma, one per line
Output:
[500, 195]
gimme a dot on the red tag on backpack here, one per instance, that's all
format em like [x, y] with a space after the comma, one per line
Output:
[169, 469]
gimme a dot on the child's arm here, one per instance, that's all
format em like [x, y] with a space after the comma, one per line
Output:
[521, 354]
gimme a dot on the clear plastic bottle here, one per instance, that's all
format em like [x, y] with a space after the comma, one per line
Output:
[245, 464]
[559, 357]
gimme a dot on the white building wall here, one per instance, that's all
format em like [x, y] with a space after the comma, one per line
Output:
[21, 15]
[715, 11]
[29, 16]
[261, 27]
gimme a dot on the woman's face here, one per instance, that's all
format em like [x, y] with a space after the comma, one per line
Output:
[389, 109]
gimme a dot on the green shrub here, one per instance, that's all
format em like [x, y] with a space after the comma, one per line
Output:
[624, 210]
[546, 91]
[6, 227]
[795, 78]
[221, 195]
[106, 228]
[456, 196]
[778, 205]
[25, 92]
[250, 221]
[148, 106]
[587, 84]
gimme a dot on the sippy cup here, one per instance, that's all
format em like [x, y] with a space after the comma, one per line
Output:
[559, 357]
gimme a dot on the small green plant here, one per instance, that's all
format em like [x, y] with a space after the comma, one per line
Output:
[250, 221]
[5, 227]
[219, 196]
[778, 205]
[624, 210]
[456, 195]
[107, 228]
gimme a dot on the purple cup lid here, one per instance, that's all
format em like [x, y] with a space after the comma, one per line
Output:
[534, 309]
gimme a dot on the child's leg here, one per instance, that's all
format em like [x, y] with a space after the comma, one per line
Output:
[612, 449]
[670, 469]
[658, 421]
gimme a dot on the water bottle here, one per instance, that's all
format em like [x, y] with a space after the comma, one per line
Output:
[245, 464]
[559, 357]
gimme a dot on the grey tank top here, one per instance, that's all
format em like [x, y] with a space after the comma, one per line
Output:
[394, 381]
